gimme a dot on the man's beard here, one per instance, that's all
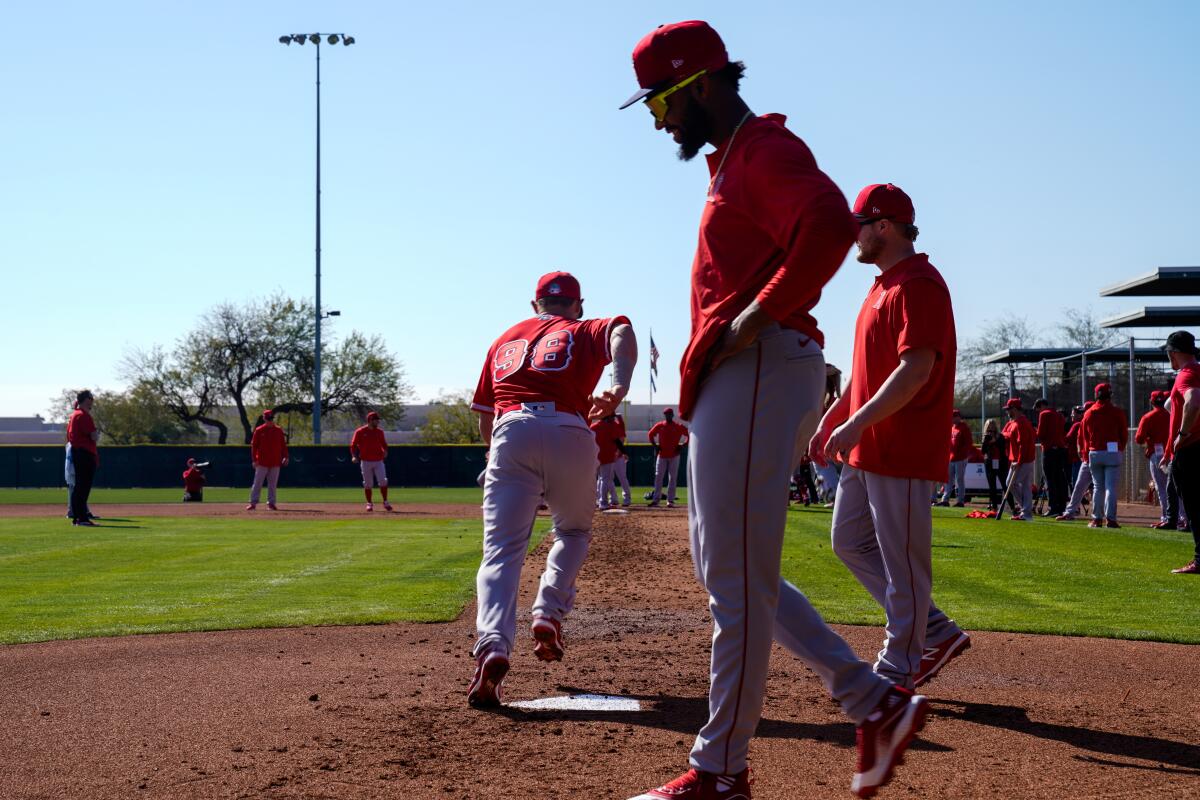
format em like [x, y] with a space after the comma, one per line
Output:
[696, 131]
[868, 253]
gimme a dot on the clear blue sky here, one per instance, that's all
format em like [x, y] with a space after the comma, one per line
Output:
[158, 159]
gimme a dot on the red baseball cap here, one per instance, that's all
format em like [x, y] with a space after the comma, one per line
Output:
[191, 461]
[558, 284]
[372, 415]
[670, 53]
[670, 411]
[884, 201]
[1102, 387]
[1013, 402]
[268, 414]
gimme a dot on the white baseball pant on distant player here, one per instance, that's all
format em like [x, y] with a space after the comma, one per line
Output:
[604, 484]
[621, 472]
[1081, 486]
[1022, 489]
[1106, 474]
[271, 476]
[533, 449]
[752, 420]
[883, 533]
[373, 469]
[1160, 482]
[665, 467]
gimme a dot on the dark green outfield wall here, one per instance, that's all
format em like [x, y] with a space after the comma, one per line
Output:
[157, 466]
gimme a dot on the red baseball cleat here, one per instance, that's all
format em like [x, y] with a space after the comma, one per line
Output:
[939, 656]
[490, 668]
[251, 507]
[884, 736]
[547, 635]
[272, 506]
[1191, 568]
[697, 785]
[370, 506]
[387, 506]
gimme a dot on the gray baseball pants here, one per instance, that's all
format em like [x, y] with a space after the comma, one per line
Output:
[666, 467]
[883, 532]
[1022, 488]
[1160, 482]
[752, 420]
[604, 484]
[534, 450]
[622, 474]
[271, 476]
[1081, 486]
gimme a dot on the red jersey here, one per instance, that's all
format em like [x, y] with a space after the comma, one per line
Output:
[668, 436]
[908, 308]
[268, 445]
[1154, 428]
[1102, 424]
[80, 428]
[547, 359]
[620, 420]
[1187, 378]
[1022, 447]
[1073, 442]
[369, 444]
[193, 480]
[775, 229]
[1051, 429]
[961, 442]
[607, 433]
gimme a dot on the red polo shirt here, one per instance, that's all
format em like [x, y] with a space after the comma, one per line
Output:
[668, 436]
[80, 428]
[369, 444]
[607, 433]
[775, 229]
[1073, 442]
[1153, 429]
[1051, 429]
[268, 445]
[1187, 378]
[1022, 447]
[1103, 423]
[908, 308]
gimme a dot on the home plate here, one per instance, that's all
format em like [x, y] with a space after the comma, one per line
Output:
[581, 702]
[615, 511]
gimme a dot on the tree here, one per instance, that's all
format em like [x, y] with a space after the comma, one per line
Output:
[451, 421]
[187, 391]
[130, 417]
[1009, 332]
[1080, 329]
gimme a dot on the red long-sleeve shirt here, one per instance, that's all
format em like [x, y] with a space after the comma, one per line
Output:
[1021, 446]
[1104, 423]
[961, 443]
[1051, 429]
[1153, 429]
[369, 444]
[268, 445]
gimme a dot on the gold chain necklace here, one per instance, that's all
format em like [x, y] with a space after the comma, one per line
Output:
[721, 165]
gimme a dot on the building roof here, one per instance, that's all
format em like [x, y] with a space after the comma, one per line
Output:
[1035, 355]
[1156, 317]
[1162, 282]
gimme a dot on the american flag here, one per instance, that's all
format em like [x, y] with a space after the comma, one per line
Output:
[653, 358]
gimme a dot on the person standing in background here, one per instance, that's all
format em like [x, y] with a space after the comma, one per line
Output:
[368, 448]
[667, 436]
[1183, 440]
[1082, 476]
[621, 465]
[1051, 432]
[995, 462]
[1104, 433]
[82, 437]
[1022, 453]
[608, 435]
[961, 445]
[1152, 432]
[268, 453]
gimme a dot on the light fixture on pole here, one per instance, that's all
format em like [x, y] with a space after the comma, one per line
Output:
[315, 38]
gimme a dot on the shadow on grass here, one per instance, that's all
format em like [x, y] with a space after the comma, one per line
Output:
[686, 715]
[1015, 718]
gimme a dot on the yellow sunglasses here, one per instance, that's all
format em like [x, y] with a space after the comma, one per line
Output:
[658, 102]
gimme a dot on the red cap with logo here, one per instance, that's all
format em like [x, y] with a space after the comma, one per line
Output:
[670, 53]
[1103, 388]
[884, 201]
[268, 414]
[670, 411]
[558, 284]
[1013, 402]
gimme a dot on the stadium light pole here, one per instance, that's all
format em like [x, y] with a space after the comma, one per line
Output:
[315, 38]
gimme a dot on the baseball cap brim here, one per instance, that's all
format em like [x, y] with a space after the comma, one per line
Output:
[640, 94]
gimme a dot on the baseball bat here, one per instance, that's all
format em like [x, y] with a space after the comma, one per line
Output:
[1012, 478]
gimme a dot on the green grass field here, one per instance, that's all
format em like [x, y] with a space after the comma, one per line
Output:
[159, 574]
[1031, 577]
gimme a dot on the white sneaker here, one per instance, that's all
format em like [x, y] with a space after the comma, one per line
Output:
[370, 506]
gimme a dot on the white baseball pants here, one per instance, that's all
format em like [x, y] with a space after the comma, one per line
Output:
[753, 418]
[534, 451]
[1160, 482]
[883, 533]
[1022, 488]
[1081, 486]
[373, 469]
[620, 471]
[271, 476]
[604, 484]
[665, 467]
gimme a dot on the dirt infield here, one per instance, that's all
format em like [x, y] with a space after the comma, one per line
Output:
[379, 711]
[286, 511]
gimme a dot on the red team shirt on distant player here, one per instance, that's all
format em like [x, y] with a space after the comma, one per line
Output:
[961, 442]
[908, 308]
[1187, 378]
[547, 359]
[607, 432]
[80, 428]
[670, 435]
[1051, 428]
[268, 446]
[1022, 447]
[1102, 424]
[369, 444]
[1153, 429]
[775, 230]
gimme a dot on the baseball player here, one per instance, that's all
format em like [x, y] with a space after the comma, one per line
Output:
[82, 436]
[1022, 453]
[901, 388]
[532, 399]
[193, 482]
[667, 436]
[268, 452]
[368, 449]
[621, 465]
[1104, 433]
[1083, 477]
[961, 445]
[1051, 432]
[773, 232]
[1152, 431]
[607, 434]
[1183, 440]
